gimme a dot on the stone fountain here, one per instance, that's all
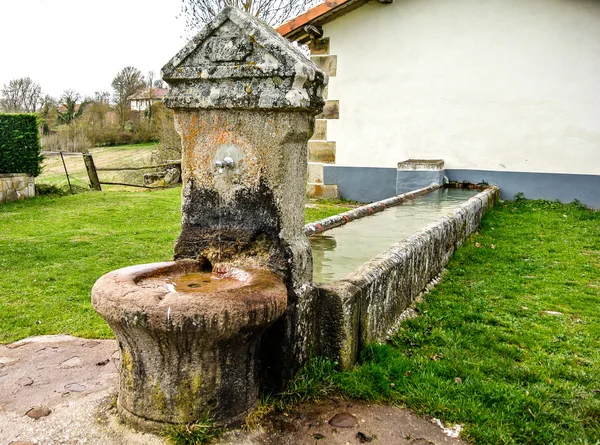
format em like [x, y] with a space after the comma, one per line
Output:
[195, 333]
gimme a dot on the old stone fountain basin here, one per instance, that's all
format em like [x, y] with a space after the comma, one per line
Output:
[183, 332]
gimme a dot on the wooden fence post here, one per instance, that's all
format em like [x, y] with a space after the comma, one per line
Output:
[66, 172]
[92, 173]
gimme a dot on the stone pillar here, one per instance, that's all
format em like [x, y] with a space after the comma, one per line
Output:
[244, 101]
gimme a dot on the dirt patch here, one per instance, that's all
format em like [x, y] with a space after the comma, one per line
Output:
[68, 387]
[343, 423]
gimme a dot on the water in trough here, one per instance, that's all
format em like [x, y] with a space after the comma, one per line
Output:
[341, 250]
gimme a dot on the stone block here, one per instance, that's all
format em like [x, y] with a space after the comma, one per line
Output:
[421, 164]
[31, 189]
[340, 312]
[319, 46]
[322, 191]
[328, 64]
[320, 133]
[331, 110]
[11, 195]
[321, 151]
[315, 173]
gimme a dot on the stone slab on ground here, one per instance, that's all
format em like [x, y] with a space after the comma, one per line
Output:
[73, 378]
[76, 380]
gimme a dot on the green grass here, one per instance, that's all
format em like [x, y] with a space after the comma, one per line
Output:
[484, 352]
[323, 211]
[199, 433]
[53, 249]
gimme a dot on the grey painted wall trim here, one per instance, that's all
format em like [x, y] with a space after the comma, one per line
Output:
[551, 186]
[362, 184]
[367, 184]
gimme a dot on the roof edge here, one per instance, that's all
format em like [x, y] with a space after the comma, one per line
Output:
[322, 13]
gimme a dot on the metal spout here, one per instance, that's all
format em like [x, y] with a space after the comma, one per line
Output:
[227, 162]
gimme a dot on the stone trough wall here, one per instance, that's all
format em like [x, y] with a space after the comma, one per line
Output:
[16, 186]
[366, 306]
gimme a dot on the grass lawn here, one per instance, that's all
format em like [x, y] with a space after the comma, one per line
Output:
[508, 344]
[53, 249]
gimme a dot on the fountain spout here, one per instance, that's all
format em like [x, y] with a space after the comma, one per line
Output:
[227, 162]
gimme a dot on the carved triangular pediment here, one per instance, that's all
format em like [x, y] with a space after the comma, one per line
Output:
[236, 45]
[237, 61]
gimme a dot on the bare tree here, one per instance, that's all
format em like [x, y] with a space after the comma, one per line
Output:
[102, 97]
[127, 82]
[274, 12]
[21, 96]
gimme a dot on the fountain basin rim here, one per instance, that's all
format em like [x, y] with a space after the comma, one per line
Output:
[120, 299]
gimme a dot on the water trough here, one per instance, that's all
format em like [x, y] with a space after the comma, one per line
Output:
[365, 305]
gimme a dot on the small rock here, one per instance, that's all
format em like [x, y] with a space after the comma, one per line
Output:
[552, 313]
[71, 363]
[363, 438]
[343, 420]
[90, 344]
[103, 362]
[3, 377]
[25, 381]
[75, 387]
[39, 411]
[318, 436]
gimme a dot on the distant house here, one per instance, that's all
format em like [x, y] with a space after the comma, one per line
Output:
[504, 91]
[142, 100]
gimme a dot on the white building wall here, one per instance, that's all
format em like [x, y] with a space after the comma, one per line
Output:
[505, 85]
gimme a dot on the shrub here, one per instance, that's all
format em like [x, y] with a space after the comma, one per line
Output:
[65, 137]
[49, 190]
[19, 144]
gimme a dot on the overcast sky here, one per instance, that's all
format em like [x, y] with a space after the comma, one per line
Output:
[82, 44]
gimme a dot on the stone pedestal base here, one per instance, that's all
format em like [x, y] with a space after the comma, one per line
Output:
[188, 339]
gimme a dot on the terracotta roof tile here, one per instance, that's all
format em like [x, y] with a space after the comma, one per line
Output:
[309, 16]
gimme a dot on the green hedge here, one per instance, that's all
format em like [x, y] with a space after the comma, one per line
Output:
[20, 144]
